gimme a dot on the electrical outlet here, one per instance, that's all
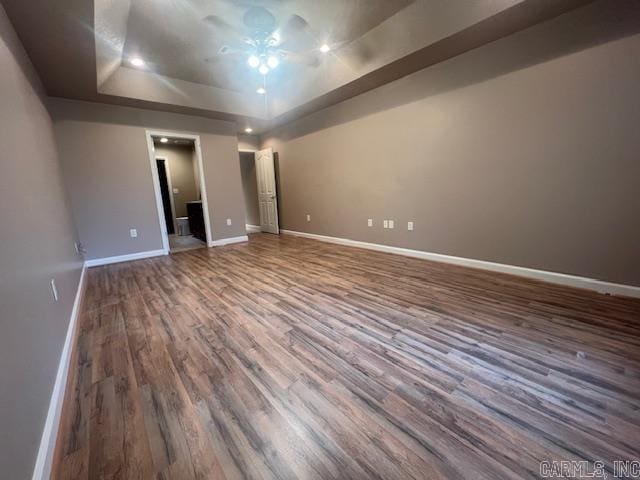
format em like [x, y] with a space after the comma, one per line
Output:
[390, 223]
[133, 233]
[370, 222]
[54, 290]
[409, 226]
[308, 217]
[176, 191]
[228, 222]
[385, 224]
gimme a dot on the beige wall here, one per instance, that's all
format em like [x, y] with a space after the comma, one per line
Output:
[36, 244]
[106, 167]
[248, 142]
[522, 152]
[181, 168]
[250, 187]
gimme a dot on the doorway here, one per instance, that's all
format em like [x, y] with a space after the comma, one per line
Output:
[180, 190]
[258, 173]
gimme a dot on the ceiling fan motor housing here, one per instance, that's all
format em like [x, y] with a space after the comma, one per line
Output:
[260, 20]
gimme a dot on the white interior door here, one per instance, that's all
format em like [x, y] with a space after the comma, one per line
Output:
[267, 199]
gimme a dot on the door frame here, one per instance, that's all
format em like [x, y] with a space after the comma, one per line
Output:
[167, 169]
[149, 134]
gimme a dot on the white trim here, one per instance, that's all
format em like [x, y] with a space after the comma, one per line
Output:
[167, 169]
[246, 150]
[158, 195]
[44, 459]
[125, 258]
[227, 241]
[203, 192]
[253, 228]
[156, 183]
[543, 275]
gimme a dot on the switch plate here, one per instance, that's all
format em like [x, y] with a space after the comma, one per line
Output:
[176, 191]
[390, 223]
[54, 290]
[228, 222]
[133, 232]
[370, 222]
[308, 217]
[385, 224]
[409, 226]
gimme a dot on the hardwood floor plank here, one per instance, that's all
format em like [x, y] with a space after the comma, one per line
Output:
[288, 358]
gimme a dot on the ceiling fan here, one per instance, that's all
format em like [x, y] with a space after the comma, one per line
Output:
[262, 40]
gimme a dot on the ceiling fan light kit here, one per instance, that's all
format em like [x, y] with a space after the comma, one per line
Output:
[266, 42]
[273, 61]
[253, 61]
[263, 41]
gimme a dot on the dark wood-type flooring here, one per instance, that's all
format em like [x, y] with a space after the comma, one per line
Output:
[289, 358]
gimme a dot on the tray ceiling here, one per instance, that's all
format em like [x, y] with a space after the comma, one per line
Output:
[196, 51]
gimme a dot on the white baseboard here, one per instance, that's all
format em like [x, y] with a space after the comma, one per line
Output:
[227, 241]
[253, 228]
[44, 460]
[125, 258]
[543, 275]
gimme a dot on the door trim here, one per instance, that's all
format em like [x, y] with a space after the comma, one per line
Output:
[156, 183]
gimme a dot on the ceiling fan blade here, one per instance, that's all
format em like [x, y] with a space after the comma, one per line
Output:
[225, 52]
[295, 25]
[229, 31]
[309, 59]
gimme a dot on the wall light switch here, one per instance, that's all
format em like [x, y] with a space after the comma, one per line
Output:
[390, 223]
[385, 224]
[308, 217]
[54, 290]
[176, 191]
[133, 232]
[409, 225]
[370, 222]
[228, 221]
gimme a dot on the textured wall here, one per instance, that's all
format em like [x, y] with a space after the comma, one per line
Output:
[522, 152]
[36, 245]
[106, 167]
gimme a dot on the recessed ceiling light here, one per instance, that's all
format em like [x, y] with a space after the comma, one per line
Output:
[248, 130]
[325, 48]
[164, 140]
[261, 90]
[273, 61]
[263, 69]
[253, 61]
[137, 62]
